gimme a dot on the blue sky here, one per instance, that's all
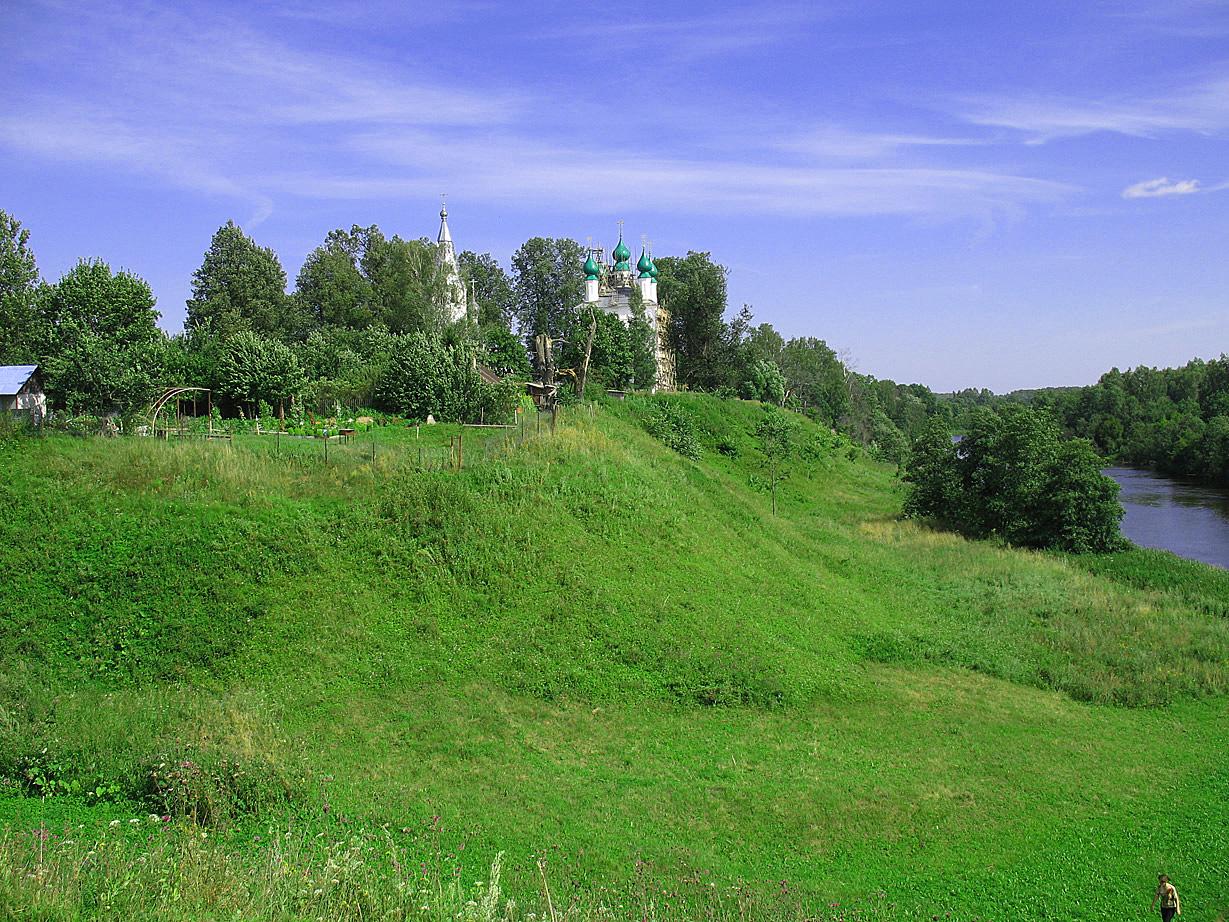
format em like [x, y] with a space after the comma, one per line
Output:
[963, 194]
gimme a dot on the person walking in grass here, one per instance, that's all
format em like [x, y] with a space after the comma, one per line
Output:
[1167, 893]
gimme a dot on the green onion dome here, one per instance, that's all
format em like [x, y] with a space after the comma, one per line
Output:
[653, 269]
[645, 265]
[591, 269]
[622, 256]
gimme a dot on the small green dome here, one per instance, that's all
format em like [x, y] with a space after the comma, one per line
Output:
[591, 269]
[653, 269]
[645, 265]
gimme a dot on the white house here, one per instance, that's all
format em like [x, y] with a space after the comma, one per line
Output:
[21, 391]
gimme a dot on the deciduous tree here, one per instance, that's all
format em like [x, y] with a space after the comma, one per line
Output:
[96, 336]
[18, 285]
[693, 289]
[548, 282]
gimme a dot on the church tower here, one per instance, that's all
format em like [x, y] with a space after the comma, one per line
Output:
[455, 298]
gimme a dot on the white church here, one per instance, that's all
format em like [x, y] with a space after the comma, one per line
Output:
[608, 287]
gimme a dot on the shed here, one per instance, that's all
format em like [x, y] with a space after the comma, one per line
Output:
[21, 391]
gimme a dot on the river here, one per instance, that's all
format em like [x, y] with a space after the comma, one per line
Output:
[1188, 519]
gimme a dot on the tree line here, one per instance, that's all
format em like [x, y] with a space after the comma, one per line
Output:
[1172, 420]
[362, 327]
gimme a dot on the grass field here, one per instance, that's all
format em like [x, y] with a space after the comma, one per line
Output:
[588, 651]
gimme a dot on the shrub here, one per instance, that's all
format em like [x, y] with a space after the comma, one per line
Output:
[427, 376]
[1015, 478]
[210, 789]
[673, 426]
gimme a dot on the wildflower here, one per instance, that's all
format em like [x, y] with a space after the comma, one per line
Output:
[134, 821]
[154, 818]
[114, 823]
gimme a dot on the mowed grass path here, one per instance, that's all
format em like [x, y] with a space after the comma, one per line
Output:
[591, 648]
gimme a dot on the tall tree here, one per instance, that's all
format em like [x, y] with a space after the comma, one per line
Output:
[816, 377]
[492, 286]
[241, 286]
[763, 343]
[642, 343]
[18, 284]
[693, 289]
[1013, 477]
[548, 281]
[407, 284]
[97, 338]
[359, 277]
[331, 287]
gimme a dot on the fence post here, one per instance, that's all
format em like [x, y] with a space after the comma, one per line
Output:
[460, 449]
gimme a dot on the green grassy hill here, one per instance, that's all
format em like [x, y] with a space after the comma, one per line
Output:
[589, 649]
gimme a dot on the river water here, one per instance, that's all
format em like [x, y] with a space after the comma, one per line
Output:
[1188, 519]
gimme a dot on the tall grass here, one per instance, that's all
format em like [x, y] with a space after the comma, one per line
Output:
[146, 868]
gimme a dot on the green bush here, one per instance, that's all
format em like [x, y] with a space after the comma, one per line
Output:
[1014, 477]
[673, 426]
[211, 789]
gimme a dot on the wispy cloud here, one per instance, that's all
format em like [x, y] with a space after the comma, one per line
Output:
[676, 40]
[206, 104]
[1201, 108]
[1207, 19]
[840, 143]
[1158, 188]
[215, 107]
[597, 179]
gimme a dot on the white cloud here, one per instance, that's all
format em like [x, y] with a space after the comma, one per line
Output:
[681, 41]
[1202, 108]
[837, 142]
[1162, 186]
[594, 178]
[215, 107]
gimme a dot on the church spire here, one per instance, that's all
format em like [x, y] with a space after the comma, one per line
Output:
[455, 295]
[445, 236]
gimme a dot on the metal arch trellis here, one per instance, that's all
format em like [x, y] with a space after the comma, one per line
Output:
[173, 393]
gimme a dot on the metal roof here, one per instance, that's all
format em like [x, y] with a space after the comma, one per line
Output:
[14, 377]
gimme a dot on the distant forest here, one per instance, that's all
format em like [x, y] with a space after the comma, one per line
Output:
[1173, 420]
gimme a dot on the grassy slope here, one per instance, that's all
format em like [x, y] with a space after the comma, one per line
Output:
[592, 644]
